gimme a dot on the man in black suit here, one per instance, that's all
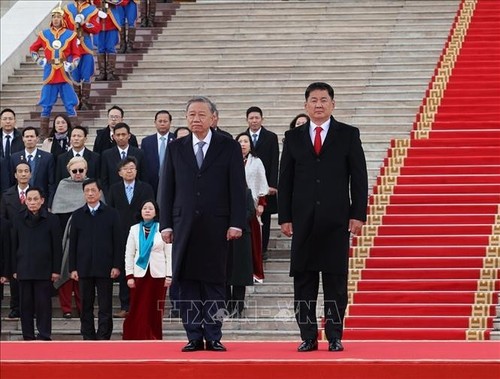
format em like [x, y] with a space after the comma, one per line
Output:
[104, 139]
[111, 157]
[202, 209]
[42, 164]
[10, 135]
[155, 147]
[96, 257]
[78, 139]
[323, 191]
[13, 202]
[215, 125]
[266, 148]
[127, 197]
[36, 263]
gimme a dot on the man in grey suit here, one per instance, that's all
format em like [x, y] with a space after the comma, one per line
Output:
[323, 189]
[202, 209]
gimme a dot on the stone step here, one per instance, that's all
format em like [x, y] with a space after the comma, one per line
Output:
[259, 77]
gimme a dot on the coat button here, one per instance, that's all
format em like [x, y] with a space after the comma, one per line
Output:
[318, 203]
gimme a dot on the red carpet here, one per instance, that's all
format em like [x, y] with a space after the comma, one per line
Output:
[144, 359]
[427, 263]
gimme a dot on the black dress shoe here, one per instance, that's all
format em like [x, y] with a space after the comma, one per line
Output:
[335, 345]
[193, 345]
[308, 345]
[215, 346]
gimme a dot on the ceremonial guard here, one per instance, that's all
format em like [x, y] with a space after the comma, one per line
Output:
[83, 18]
[148, 10]
[61, 57]
[109, 37]
[129, 18]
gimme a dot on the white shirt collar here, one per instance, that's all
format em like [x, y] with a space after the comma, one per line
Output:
[95, 208]
[19, 190]
[158, 136]
[120, 150]
[33, 154]
[207, 140]
[129, 184]
[81, 152]
[257, 132]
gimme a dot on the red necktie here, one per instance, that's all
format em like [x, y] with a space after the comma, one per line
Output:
[22, 197]
[317, 139]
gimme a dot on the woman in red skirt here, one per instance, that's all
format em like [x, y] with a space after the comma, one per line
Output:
[148, 267]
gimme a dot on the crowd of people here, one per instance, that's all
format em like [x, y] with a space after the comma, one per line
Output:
[188, 211]
[215, 194]
[117, 179]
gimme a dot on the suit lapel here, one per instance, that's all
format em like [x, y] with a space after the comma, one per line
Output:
[137, 192]
[330, 136]
[188, 152]
[307, 138]
[213, 151]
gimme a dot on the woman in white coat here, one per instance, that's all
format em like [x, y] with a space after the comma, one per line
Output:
[148, 268]
[255, 175]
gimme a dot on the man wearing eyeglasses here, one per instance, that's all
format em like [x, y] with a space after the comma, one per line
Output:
[104, 139]
[127, 197]
[78, 139]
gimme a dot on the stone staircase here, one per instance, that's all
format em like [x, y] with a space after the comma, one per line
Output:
[379, 56]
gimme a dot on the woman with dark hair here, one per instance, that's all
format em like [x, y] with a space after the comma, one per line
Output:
[58, 141]
[255, 175]
[299, 120]
[148, 269]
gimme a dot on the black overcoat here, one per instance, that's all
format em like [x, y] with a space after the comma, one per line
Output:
[96, 244]
[319, 194]
[201, 204]
[36, 246]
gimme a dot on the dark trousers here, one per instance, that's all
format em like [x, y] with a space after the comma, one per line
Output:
[235, 296]
[306, 285]
[173, 294]
[36, 298]
[266, 230]
[202, 308]
[14, 294]
[124, 294]
[104, 287]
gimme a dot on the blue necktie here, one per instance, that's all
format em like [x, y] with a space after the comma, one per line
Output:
[254, 139]
[6, 153]
[32, 163]
[163, 149]
[199, 153]
[130, 193]
[92, 211]
[123, 155]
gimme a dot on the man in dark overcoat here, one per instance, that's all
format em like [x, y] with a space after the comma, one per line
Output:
[202, 209]
[323, 191]
[36, 263]
[96, 256]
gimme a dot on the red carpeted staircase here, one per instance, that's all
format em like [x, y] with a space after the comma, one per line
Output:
[427, 264]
